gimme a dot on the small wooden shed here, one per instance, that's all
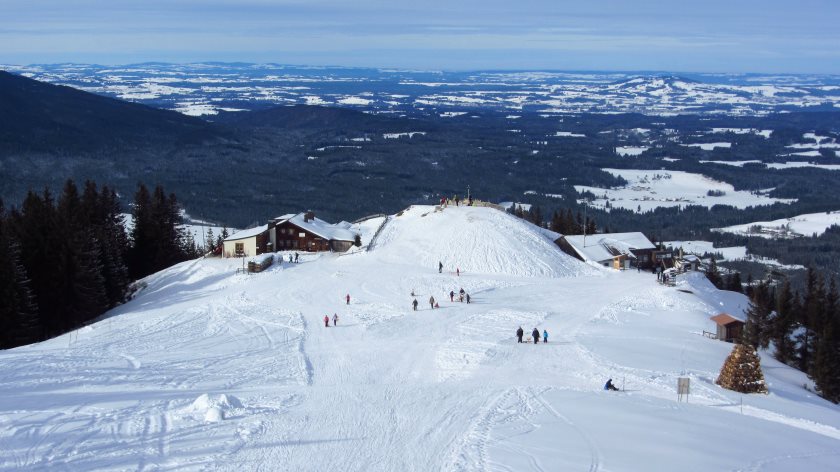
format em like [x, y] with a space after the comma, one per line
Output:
[729, 328]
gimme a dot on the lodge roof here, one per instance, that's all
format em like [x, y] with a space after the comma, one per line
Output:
[318, 227]
[724, 319]
[247, 233]
[600, 247]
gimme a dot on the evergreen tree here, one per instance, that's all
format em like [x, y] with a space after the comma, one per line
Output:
[741, 371]
[811, 319]
[826, 369]
[19, 323]
[713, 274]
[759, 323]
[734, 283]
[210, 242]
[784, 323]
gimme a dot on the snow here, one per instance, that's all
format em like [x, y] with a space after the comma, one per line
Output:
[630, 150]
[800, 225]
[354, 101]
[409, 134]
[709, 146]
[247, 233]
[210, 369]
[649, 189]
[569, 134]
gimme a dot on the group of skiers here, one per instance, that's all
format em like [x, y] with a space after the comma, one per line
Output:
[462, 295]
[535, 335]
[440, 269]
[455, 198]
[295, 258]
[335, 315]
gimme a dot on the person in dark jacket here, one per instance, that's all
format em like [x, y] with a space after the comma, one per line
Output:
[609, 386]
[432, 302]
[335, 319]
[414, 304]
[536, 335]
[468, 298]
[451, 295]
[519, 334]
[440, 267]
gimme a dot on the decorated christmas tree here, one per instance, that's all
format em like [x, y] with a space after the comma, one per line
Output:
[742, 371]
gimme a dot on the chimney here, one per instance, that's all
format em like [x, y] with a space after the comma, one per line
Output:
[309, 215]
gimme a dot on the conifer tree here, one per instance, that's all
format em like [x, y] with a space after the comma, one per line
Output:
[759, 324]
[19, 322]
[811, 319]
[210, 242]
[734, 283]
[713, 275]
[826, 369]
[741, 371]
[784, 323]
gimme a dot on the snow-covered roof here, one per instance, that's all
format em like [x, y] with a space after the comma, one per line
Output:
[319, 227]
[247, 233]
[724, 319]
[604, 247]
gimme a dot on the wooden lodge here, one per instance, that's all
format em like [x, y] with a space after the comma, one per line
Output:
[729, 328]
[305, 232]
[615, 250]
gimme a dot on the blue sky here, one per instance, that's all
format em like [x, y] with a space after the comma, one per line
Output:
[768, 36]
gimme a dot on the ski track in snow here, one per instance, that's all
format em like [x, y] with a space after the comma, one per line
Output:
[208, 369]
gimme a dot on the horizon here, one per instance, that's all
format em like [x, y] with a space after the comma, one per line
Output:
[750, 37]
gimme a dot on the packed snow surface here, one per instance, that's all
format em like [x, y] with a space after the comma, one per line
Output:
[207, 369]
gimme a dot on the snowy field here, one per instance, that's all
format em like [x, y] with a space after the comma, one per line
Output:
[207, 369]
[731, 253]
[650, 189]
[801, 225]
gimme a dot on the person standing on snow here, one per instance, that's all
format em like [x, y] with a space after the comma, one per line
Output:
[432, 301]
[458, 271]
[461, 294]
[468, 298]
[451, 295]
[536, 335]
[347, 298]
[440, 267]
[296, 258]
[545, 336]
[335, 319]
[414, 304]
[326, 321]
[519, 334]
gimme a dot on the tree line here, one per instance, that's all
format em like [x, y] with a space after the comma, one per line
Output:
[65, 262]
[802, 327]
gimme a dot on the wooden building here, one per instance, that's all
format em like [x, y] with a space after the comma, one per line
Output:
[729, 328]
[616, 250]
[304, 232]
[248, 242]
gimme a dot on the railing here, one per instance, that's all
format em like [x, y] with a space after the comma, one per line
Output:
[372, 242]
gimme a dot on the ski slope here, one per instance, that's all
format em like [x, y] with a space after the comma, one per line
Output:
[207, 369]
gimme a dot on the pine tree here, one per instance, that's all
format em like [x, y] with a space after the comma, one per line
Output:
[783, 325]
[713, 275]
[734, 283]
[210, 242]
[19, 322]
[741, 371]
[811, 319]
[757, 332]
[826, 369]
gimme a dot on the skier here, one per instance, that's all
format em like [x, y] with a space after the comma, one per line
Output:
[432, 302]
[609, 386]
[451, 295]
[545, 336]
[462, 293]
[519, 334]
[296, 258]
[458, 271]
[536, 335]
[347, 298]
[440, 267]
[414, 304]
[326, 321]
[335, 319]
[468, 298]
[290, 258]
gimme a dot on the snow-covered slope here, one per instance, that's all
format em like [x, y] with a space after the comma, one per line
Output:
[474, 240]
[207, 369]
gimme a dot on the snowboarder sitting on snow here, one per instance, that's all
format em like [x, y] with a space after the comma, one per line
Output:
[536, 335]
[609, 386]
[545, 335]
[519, 333]
[326, 321]
[414, 304]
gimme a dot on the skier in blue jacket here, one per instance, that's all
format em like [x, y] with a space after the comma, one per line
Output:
[545, 336]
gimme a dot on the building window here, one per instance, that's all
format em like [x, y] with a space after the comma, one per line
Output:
[301, 235]
[239, 249]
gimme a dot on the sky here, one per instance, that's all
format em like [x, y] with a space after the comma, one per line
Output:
[769, 36]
